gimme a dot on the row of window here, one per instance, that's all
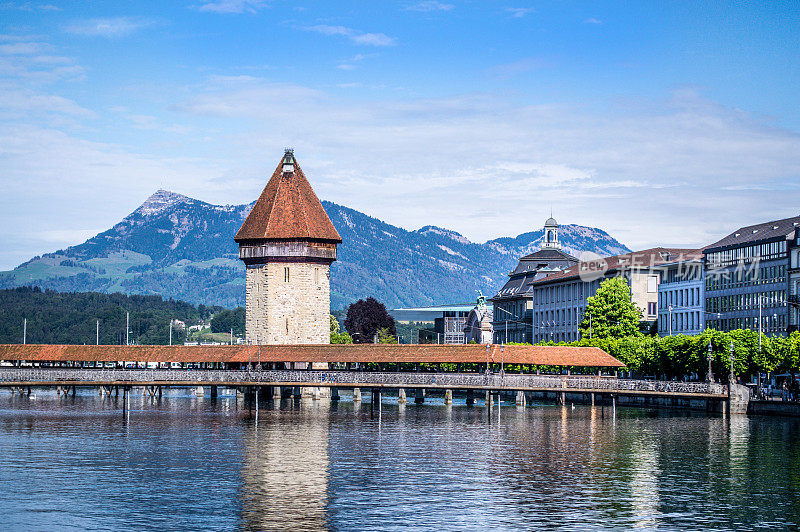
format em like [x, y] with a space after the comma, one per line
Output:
[681, 322]
[740, 277]
[767, 251]
[578, 290]
[768, 323]
[750, 301]
[554, 336]
[547, 320]
[683, 297]
[685, 271]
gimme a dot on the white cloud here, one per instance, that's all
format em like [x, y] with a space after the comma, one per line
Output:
[28, 6]
[519, 12]
[592, 21]
[649, 174]
[357, 37]
[428, 6]
[108, 27]
[233, 6]
[680, 170]
[23, 48]
[26, 59]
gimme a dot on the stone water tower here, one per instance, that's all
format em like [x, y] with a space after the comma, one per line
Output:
[288, 244]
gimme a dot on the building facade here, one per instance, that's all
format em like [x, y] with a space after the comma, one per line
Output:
[513, 304]
[287, 243]
[448, 322]
[559, 300]
[751, 281]
[681, 298]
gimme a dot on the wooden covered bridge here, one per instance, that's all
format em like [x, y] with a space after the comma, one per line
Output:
[558, 372]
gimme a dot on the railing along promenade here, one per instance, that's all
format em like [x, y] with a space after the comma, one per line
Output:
[27, 376]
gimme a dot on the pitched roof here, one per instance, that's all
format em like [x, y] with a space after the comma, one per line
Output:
[637, 260]
[288, 209]
[777, 229]
[385, 353]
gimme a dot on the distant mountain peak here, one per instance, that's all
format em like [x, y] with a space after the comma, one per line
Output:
[159, 202]
[449, 233]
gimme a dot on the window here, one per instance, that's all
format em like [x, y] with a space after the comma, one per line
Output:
[652, 284]
[286, 275]
[651, 309]
[316, 275]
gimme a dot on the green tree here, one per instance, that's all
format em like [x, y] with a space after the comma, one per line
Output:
[225, 320]
[338, 337]
[610, 313]
[385, 336]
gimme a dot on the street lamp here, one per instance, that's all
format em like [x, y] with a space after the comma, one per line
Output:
[510, 314]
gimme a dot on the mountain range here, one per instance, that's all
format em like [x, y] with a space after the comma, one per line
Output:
[182, 248]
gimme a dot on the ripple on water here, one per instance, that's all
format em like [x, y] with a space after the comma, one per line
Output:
[184, 462]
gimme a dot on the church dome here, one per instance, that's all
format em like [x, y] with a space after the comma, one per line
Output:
[551, 222]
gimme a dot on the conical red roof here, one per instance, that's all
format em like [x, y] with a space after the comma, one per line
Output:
[288, 209]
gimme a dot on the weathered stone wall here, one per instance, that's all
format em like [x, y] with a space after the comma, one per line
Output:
[288, 312]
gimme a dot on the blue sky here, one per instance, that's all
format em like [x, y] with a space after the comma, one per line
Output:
[661, 122]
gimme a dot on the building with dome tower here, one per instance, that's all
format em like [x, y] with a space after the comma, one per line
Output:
[513, 303]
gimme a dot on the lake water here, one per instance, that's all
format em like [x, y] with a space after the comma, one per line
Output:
[188, 463]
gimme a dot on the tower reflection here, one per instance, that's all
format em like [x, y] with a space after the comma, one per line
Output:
[285, 468]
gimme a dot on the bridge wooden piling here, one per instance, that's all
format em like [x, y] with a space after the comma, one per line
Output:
[419, 395]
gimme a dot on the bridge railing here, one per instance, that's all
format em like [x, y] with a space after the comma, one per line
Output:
[353, 378]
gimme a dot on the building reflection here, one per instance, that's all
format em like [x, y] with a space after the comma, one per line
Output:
[285, 468]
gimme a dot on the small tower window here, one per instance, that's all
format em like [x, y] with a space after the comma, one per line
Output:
[286, 274]
[316, 275]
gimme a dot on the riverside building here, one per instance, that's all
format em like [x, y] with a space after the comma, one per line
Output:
[681, 298]
[559, 300]
[513, 304]
[752, 278]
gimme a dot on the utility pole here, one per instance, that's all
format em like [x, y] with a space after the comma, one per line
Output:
[231, 335]
[170, 332]
[670, 320]
[759, 323]
[590, 326]
[24, 331]
[97, 333]
[127, 328]
[710, 376]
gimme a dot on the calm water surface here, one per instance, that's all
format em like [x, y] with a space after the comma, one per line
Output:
[183, 462]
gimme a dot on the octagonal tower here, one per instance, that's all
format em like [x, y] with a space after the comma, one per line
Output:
[288, 244]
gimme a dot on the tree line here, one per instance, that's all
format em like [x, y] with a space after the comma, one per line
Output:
[71, 317]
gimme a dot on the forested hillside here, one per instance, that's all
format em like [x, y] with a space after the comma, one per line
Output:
[71, 318]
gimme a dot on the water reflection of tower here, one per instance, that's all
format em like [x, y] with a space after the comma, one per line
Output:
[285, 469]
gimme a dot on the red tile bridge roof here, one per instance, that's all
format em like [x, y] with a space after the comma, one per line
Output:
[382, 353]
